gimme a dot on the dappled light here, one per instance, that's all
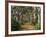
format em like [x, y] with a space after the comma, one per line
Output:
[25, 18]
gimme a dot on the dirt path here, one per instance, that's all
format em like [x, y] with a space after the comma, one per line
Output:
[27, 26]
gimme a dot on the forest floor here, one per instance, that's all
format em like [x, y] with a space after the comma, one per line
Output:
[27, 26]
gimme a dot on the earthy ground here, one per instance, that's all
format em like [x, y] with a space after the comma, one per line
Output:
[27, 26]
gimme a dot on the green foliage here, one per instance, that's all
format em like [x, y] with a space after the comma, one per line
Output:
[28, 12]
[37, 26]
[14, 24]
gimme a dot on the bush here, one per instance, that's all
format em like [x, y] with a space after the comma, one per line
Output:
[14, 24]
